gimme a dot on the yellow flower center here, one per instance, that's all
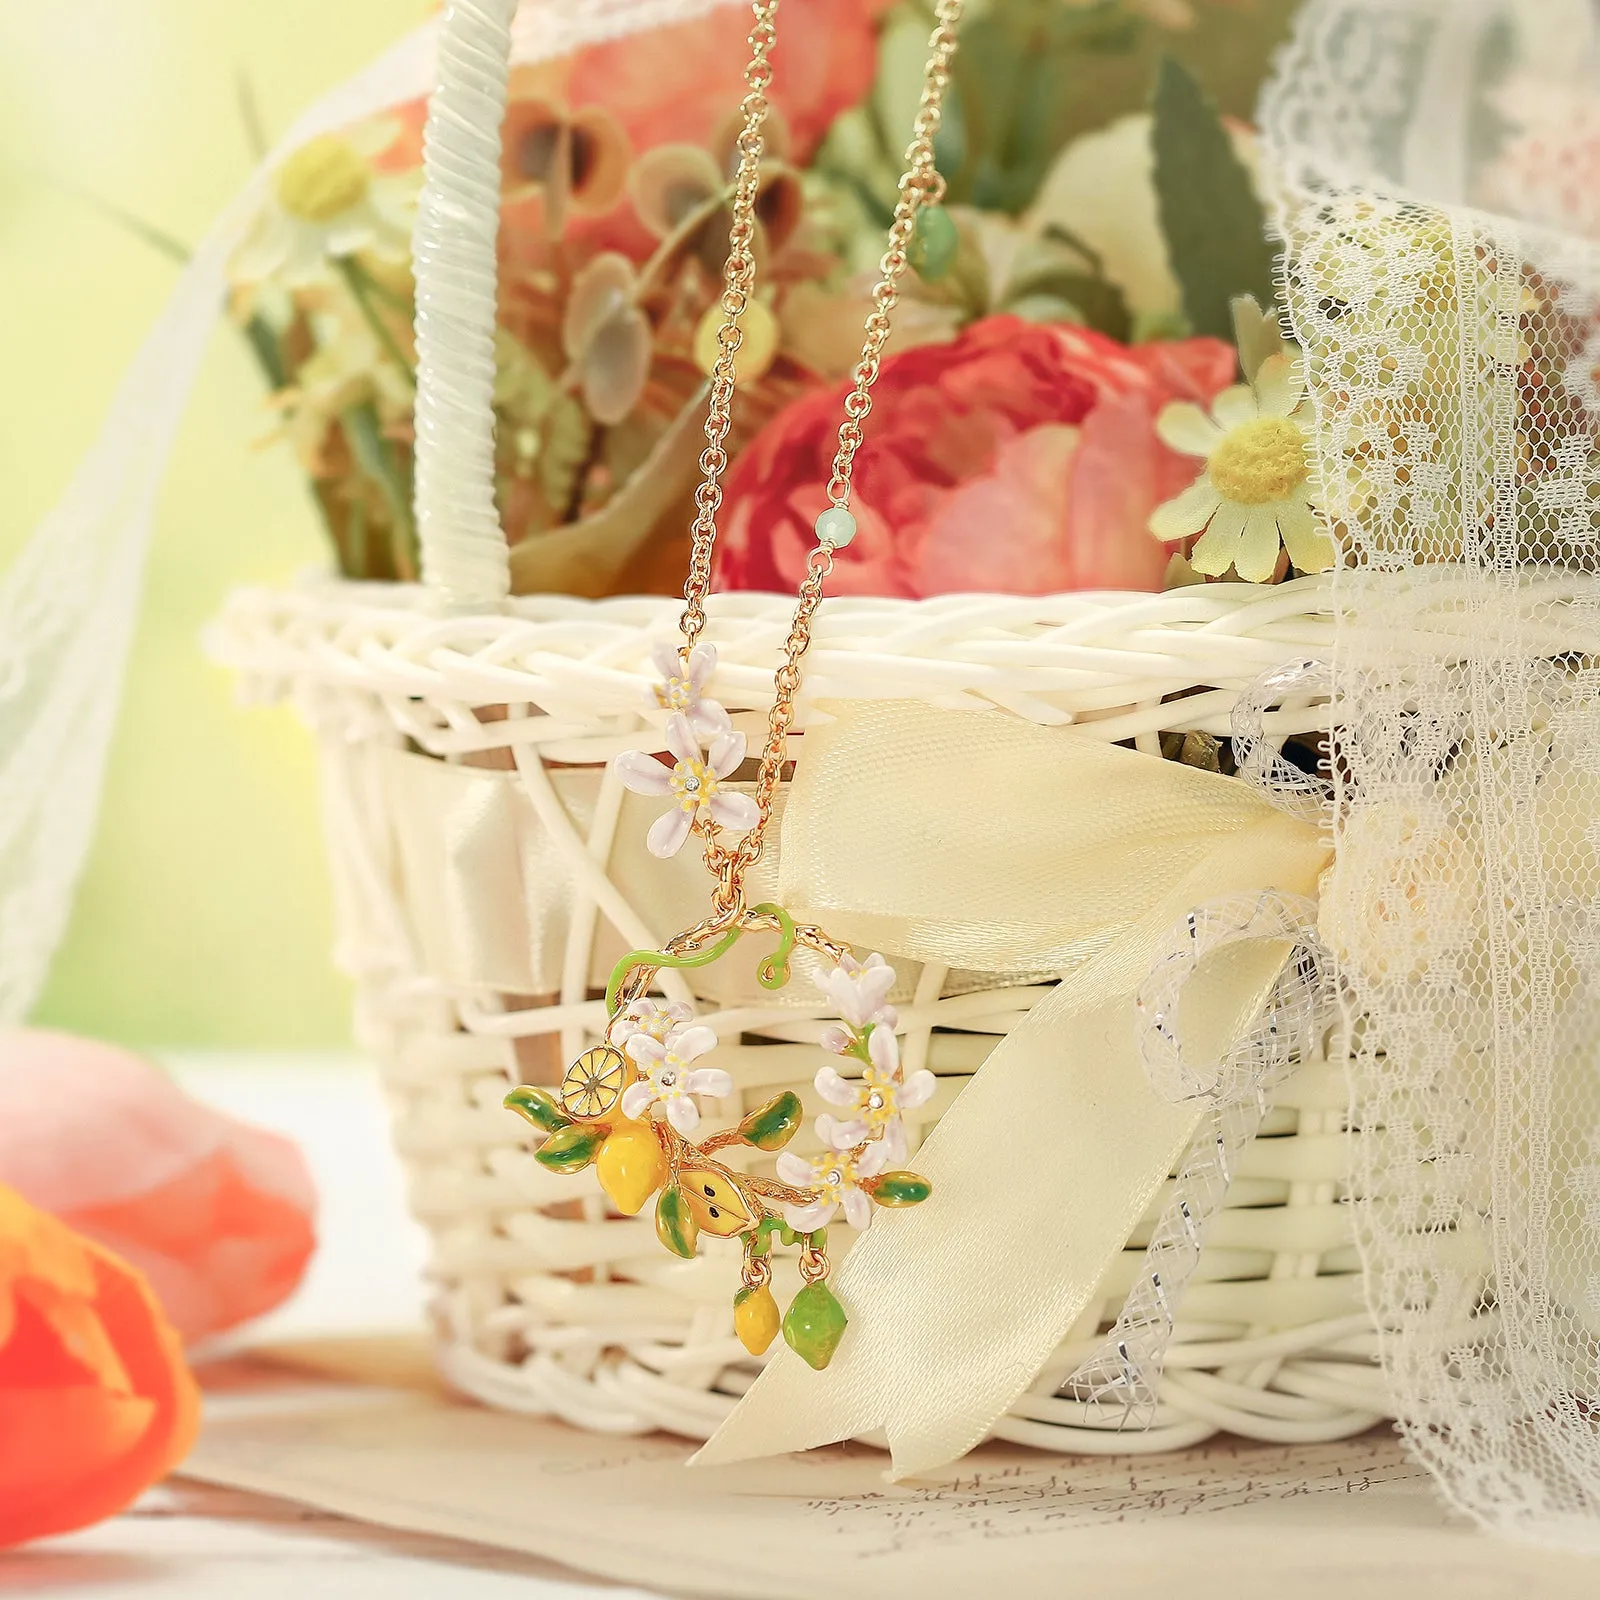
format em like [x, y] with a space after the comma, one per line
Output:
[1259, 462]
[694, 783]
[876, 1100]
[676, 694]
[323, 179]
[831, 1175]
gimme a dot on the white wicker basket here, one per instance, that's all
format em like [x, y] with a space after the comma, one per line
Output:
[480, 955]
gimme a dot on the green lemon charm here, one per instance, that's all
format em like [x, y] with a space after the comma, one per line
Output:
[814, 1325]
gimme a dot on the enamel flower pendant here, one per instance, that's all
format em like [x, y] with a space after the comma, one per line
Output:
[630, 1106]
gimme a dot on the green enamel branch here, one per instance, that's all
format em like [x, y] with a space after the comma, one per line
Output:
[773, 972]
[661, 958]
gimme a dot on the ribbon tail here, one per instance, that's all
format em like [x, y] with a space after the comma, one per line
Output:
[957, 1306]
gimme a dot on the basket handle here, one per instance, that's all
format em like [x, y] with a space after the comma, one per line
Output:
[465, 560]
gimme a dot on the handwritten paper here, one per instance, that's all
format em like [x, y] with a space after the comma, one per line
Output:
[1226, 1521]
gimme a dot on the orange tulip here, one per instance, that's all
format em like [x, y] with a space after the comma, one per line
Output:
[96, 1403]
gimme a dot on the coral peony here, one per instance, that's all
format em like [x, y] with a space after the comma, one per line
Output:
[680, 84]
[216, 1214]
[95, 1400]
[1020, 458]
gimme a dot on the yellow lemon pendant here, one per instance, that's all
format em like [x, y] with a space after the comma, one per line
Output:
[755, 1318]
[716, 1205]
[631, 1165]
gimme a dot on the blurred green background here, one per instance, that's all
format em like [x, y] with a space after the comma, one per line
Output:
[203, 918]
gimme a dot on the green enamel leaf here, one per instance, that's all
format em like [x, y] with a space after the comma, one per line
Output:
[814, 1324]
[1214, 225]
[675, 1224]
[773, 1125]
[538, 1106]
[901, 1189]
[570, 1149]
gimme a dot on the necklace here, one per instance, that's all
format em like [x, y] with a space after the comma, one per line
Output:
[627, 1106]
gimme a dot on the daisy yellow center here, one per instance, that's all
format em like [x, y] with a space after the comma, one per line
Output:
[323, 179]
[676, 694]
[694, 783]
[876, 1101]
[1259, 462]
[831, 1176]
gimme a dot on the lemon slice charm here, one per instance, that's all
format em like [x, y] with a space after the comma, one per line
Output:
[714, 1202]
[593, 1084]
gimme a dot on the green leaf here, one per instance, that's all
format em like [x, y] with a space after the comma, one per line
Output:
[772, 1126]
[675, 1224]
[901, 1189]
[1097, 301]
[538, 1106]
[571, 1149]
[1214, 224]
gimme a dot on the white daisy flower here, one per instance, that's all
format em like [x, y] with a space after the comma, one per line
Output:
[682, 686]
[1256, 491]
[837, 1178]
[875, 1102]
[693, 784]
[668, 1076]
[327, 202]
[651, 1018]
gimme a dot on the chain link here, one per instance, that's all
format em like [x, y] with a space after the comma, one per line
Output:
[738, 279]
[920, 185]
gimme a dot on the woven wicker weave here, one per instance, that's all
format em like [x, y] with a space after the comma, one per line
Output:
[547, 1300]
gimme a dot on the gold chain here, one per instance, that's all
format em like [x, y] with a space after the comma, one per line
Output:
[738, 277]
[920, 185]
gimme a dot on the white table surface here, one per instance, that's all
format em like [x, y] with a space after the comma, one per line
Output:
[192, 1541]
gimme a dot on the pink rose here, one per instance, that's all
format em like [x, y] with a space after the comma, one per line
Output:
[217, 1215]
[1020, 458]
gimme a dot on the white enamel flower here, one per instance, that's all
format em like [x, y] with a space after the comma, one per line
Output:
[837, 1179]
[682, 688]
[651, 1018]
[327, 201]
[875, 1102]
[857, 991]
[668, 1076]
[693, 783]
[1256, 491]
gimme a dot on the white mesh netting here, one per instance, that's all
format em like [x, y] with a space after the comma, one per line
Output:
[1438, 163]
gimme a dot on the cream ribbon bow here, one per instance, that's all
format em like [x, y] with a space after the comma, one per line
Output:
[976, 840]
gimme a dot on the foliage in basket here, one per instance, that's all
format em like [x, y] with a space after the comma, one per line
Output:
[1053, 363]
